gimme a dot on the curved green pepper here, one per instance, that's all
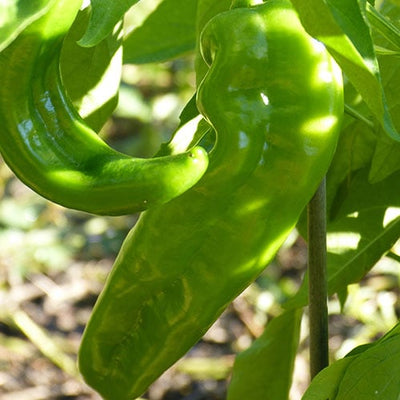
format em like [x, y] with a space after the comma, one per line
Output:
[51, 149]
[274, 96]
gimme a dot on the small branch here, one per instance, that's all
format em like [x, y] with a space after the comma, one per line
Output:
[44, 342]
[393, 256]
[355, 114]
[317, 286]
[246, 315]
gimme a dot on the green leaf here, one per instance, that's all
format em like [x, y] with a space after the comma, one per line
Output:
[206, 9]
[360, 195]
[370, 371]
[387, 153]
[341, 26]
[354, 151]
[105, 15]
[383, 51]
[169, 31]
[359, 144]
[384, 26]
[374, 374]
[325, 385]
[16, 15]
[386, 159]
[371, 241]
[366, 227]
[92, 75]
[264, 371]
[190, 111]
[355, 148]
[394, 331]
[192, 130]
[186, 136]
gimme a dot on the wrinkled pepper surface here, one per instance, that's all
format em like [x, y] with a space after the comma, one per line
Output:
[50, 148]
[274, 97]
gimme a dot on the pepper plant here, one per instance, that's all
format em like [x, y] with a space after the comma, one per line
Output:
[293, 111]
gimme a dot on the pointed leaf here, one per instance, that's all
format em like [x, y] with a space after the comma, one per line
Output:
[369, 371]
[384, 26]
[325, 385]
[352, 265]
[264, 371]
[169, 31]
[189, 112]
[16, 15]
[354, 151]
[360, 195]
[105, 15]
[92, 75]
[374, 374]
[386, 160]
[387, 153]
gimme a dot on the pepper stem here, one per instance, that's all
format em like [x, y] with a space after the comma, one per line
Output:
[317, 287]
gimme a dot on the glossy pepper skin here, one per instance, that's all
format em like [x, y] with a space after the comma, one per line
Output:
[52, 150]
[274, 96]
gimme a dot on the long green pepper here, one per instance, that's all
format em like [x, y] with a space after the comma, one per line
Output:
[274, 96]
[50, 148]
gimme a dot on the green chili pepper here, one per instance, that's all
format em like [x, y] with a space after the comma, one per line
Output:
[51, 149]
[274, 97]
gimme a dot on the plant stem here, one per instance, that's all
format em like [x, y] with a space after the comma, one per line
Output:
[44, 342]
[355, 114]
[393, 256]
[317, 286]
